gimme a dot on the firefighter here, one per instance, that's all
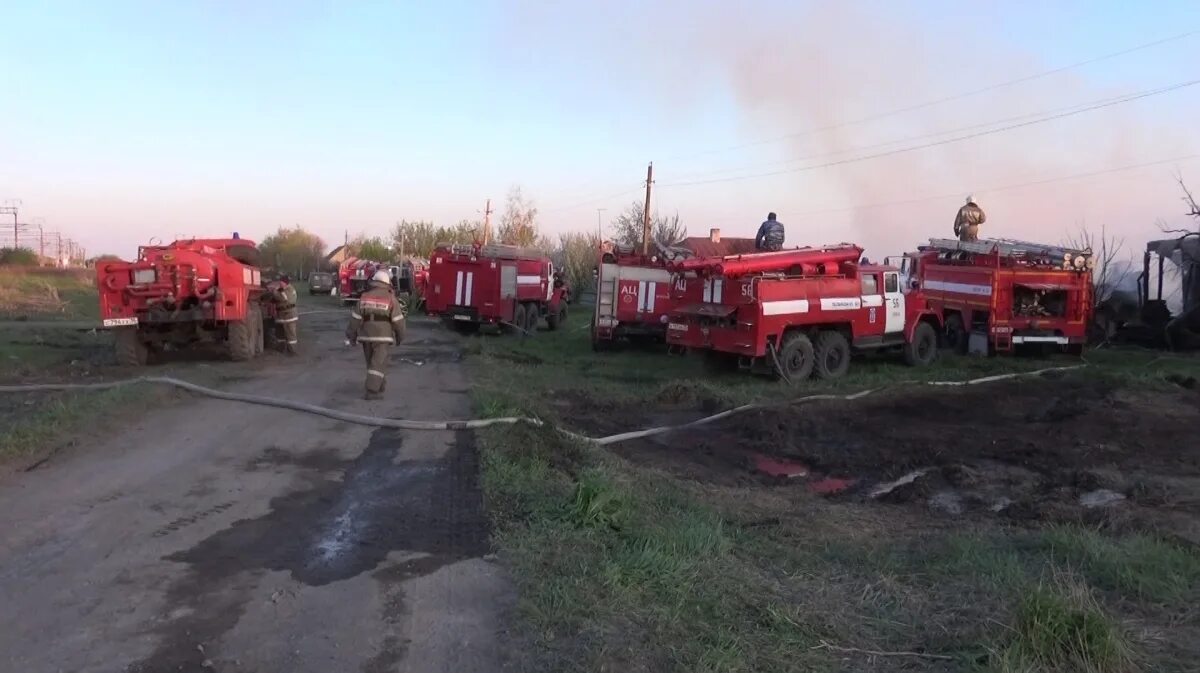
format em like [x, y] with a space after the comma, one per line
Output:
[770, 234]
[377, 323]
[966, 223]
[284, 296]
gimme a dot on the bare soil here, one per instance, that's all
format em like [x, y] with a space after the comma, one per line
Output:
[1042, 449]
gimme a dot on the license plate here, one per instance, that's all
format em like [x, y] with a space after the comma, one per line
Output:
[462, 317]
[677, 327]
[119, 322]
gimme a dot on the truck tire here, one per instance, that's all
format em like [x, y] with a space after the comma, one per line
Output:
[796, 357]
[831, 355]
[954, 334]
[241, 345]
[532, 316]
[130, 349]
[518, 320]
[554, 320]
[923, 349]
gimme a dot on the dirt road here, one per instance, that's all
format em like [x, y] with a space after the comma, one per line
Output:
[212, 536]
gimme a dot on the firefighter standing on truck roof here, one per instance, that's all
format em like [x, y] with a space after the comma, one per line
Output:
[966, 223]
[284, 296]
[770, 234]
[377, 323]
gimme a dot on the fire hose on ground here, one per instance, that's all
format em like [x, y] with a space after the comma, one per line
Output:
[474, 424]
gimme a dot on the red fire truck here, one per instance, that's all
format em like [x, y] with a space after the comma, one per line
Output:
[177, 295]
[633, 296]
[353, 276]
[474, 285]
[798, 312]
[994, 295]
[633, 291]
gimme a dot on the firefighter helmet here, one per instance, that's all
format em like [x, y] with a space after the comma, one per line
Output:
[382, 276]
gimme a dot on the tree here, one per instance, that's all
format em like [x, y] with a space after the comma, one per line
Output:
[466, 231]
[518, 226]
[294, 250]
[415, 239]
[18, 257]
[1111, 271]
[627, 227]
[576, 256]
[373, 248]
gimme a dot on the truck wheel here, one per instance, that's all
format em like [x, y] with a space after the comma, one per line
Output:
[832, 355]
[532, 316]
[955, 334]
[796, 357]
[131, 350]
[518, 319]
[555, 319]
[923, 349]
[241, 345]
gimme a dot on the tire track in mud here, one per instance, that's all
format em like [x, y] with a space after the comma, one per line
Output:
[332, 530]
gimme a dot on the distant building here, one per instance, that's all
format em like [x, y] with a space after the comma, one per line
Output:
[714, 245]
[336, 256]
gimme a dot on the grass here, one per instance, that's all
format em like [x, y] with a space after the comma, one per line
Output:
[620, 568]
[1060, 626]
[34, 423]
[47, 294]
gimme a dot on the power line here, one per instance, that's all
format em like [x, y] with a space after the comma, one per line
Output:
[992, 190]
[950, 98]
[1042, 120]
[851, 150]
[591, 201]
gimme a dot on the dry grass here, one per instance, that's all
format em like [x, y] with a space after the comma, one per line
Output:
[35, 293]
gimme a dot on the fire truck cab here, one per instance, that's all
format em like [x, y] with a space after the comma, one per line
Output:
[800, 312]
[994, 295]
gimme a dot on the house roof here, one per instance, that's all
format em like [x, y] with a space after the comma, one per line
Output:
[703, 246]
[333, 253]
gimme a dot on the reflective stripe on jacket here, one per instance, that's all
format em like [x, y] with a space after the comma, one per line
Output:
[378, 318]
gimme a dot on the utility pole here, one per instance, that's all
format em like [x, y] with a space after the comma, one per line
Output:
[599, 226]
[487, 222]
[646, 210]
[12, 210]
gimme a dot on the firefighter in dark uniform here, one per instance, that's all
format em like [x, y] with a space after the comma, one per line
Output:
[287, 317]
[968, 219]
[377, 323]
[770, 234]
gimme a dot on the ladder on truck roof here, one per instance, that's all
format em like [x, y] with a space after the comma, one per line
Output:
[1009, 248]
[492, 250]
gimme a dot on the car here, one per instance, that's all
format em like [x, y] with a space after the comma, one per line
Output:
[320, 282]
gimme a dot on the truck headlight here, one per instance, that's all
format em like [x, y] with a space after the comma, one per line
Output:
[1080, 260]
[144, 276]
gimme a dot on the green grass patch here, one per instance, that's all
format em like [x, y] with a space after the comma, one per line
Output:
[1139, 566]
[48, 294]
[34, 423]
[1059, 626]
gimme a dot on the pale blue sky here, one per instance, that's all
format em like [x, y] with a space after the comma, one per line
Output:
[126, 120]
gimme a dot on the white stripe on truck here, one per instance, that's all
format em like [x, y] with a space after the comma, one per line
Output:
[781, 306]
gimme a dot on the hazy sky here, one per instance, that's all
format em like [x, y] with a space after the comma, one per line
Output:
[122, 121]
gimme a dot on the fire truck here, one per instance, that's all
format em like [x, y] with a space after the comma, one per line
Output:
[183, 293]
[994, 295]
[799, 312]
[633, 296]
[353, 276]
[474, 285]
[633, 290]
